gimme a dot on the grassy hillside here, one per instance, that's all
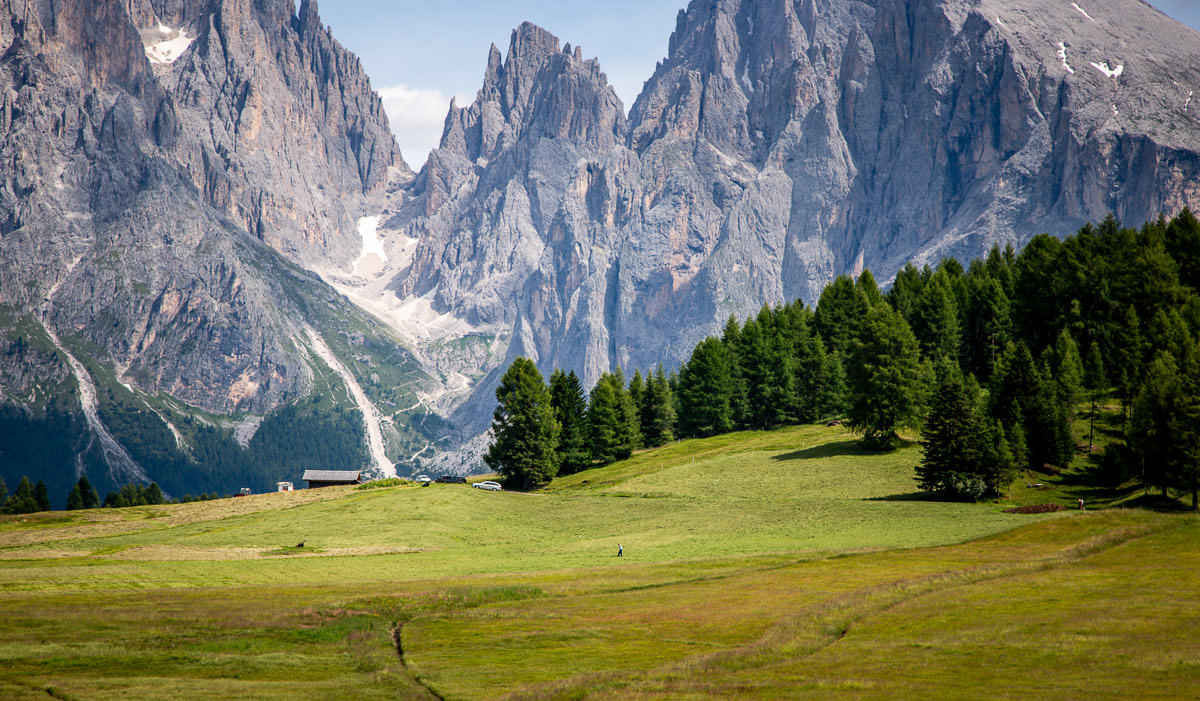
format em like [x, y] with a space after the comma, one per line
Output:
[772, 564]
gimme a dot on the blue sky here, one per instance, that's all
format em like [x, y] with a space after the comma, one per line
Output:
[420, 53]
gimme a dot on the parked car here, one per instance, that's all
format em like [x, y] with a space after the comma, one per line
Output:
[488, 485]
[423, 479]
[452, 479]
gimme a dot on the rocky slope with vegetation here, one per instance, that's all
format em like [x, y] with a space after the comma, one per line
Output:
[169, 169]
[778, 145]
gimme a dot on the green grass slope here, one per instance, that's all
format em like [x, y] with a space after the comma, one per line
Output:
[773, 564]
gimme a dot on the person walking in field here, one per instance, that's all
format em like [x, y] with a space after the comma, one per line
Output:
[1081, 505]
[620, 550]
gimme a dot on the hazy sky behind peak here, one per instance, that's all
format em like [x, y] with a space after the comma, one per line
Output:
[419, 54]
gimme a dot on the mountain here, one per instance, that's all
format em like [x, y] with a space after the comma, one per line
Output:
[170, 170]
[219, 269]
[779, 144]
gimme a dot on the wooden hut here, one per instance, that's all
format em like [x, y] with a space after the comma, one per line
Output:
[331, 478]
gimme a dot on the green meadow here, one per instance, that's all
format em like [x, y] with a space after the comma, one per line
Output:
[771, 564]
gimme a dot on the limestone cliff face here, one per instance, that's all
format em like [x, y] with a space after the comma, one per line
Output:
[520, 211]
[782, 142]
[167, 169]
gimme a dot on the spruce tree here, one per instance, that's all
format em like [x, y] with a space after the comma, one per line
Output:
[74, 498]
[987, 326]
[637, 390]
[41, 495]
[705, 390]
[657, 410]
[630, 429]
[524, 432]
[1068, 370]
[612, 419]
[1153, 419]
[935, 319]
[951, 449]
[23, 499]
[885, 377]
[839, 314]
[153, 495]
[570, 410]
[91, 498]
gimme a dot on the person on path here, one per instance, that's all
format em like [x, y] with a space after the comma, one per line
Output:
[620, 550]
[1081, 505]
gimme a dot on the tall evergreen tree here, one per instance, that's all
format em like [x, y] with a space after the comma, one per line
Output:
[570, 410]
[839, 314]
[23, 499]
[964, 453]
[885, 377]
[906, 288]
[987, 326]
[524, 431]
[1068, 369]
[74, 498]
[657, 410]
[41, 495]
[613, 420]
[1153, 420]
[935, 319]
[705, 391]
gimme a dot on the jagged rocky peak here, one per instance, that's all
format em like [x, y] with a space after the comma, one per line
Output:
[144, 139]
[735, 72]
[541, 89]
[279, 126]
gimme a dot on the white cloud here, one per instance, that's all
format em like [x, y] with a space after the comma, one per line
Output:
[416, 116]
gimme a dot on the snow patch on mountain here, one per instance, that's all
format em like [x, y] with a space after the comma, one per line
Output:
[1110, 72]
[1062, 56]
[168, 51]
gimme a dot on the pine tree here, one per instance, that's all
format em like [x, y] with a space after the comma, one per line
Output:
[951, 447]
[657, 410]
[570, 410]
[906, 288]
[739, 400]
[630, 430]
[3, 493]
[1068, 369]
[1151, 425]
[524, 432]
[637, 391]
[23, 499]
[705, 389]
[987, 328]
[935, 319]
[612, 419]
[41, 495]
[74, 498]
[91, 498]
[153, 495]
[885, 378]
[839, 314]
[835, 389]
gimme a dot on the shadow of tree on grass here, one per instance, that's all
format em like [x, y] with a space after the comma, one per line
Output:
[827, 450]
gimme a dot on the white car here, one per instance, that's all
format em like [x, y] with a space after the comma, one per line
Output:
[488, 485]
[423, 479]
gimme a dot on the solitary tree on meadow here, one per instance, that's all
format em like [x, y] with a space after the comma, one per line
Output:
[524, 431]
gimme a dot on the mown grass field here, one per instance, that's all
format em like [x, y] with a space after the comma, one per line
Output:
[778, 565]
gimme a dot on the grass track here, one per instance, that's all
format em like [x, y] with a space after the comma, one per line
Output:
[778, 564]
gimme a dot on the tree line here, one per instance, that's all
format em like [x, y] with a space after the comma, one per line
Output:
[990, 361]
